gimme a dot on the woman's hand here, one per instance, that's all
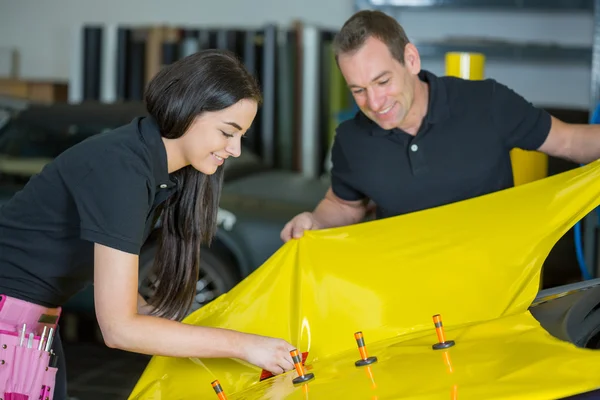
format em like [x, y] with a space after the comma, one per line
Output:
[268, 353]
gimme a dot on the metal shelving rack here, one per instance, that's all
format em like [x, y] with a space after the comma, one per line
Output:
[494, 50]
[517, 52]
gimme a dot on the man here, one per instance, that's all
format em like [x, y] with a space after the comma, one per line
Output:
[421, 141]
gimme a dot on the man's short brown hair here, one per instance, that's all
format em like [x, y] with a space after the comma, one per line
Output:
[365, 24]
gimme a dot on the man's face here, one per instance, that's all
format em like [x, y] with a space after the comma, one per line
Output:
[382, 87]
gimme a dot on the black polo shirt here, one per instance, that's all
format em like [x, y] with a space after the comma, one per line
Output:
[461, 151]
[106, 189]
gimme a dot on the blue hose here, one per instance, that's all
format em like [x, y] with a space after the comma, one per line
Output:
[585, 272]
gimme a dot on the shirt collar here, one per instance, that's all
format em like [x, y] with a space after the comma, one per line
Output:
[437, 109]
[150, 134]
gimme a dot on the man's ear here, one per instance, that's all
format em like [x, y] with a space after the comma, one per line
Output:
[412, 59]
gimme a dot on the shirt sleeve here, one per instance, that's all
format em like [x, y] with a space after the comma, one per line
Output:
[519, 123]
[340, 172]
[112, 201]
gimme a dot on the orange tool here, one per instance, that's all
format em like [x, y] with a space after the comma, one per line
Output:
[219, 390]
[266, 374]
[302, 377]
[439, 330]
[364, 357]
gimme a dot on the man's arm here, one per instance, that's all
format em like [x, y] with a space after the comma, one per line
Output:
[579, 143]
[333, 211]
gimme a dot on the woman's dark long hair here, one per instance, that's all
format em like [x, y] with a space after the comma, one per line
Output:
[209, 80]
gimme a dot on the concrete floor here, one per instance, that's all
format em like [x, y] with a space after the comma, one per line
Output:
[95, 371]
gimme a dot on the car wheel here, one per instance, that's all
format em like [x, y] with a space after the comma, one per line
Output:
[573, 316]
[216, 276]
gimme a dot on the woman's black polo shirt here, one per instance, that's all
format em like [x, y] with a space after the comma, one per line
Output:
[461, 151]
[103, 190]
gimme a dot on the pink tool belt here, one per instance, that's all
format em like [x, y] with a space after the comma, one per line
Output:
[27, 361]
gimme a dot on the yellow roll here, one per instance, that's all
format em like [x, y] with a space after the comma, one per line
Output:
[465, 65]
[528, 166]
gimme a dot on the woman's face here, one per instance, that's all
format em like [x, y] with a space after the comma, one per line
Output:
[215, 136]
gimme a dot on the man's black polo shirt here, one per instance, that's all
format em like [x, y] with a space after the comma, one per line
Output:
[105, 189]
[461, 150]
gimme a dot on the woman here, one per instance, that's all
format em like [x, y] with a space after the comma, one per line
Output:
[85, 217]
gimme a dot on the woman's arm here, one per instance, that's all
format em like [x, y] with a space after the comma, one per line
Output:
[116, 303]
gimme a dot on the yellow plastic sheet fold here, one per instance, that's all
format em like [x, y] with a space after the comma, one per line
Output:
[476, 262]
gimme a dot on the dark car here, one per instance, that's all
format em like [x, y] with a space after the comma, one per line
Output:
[256, 201]
[571, 312]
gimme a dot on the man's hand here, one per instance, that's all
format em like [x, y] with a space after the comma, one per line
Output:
[331, 212]
[296, 227]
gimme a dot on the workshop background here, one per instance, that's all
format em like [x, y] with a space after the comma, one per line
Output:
[80, 51]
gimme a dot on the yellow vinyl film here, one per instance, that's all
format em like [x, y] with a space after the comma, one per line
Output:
[476, 263]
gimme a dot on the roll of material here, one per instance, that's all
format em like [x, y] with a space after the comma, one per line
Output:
[465, 65]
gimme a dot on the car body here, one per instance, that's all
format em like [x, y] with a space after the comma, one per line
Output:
[256, 201]
[569, 313]
[475, 264]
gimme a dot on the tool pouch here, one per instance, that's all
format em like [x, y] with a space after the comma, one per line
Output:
[24, 371]
[27, 367]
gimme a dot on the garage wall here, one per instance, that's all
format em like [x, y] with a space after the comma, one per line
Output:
[42, 31]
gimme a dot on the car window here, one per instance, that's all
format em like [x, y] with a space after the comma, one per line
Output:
[4, 118]
[20, 139]
[25, 147]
